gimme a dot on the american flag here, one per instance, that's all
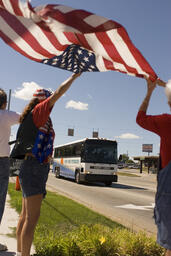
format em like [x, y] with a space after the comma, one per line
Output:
[43, 146]
[70, 39]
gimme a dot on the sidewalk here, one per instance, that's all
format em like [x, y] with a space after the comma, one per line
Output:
[150, 176]
[9, 221]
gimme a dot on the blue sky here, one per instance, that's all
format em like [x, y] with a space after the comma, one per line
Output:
[110, 99]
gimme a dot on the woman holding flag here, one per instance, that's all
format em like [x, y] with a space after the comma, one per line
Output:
[34, 144]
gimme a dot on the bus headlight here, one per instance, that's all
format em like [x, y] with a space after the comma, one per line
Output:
[88, 172]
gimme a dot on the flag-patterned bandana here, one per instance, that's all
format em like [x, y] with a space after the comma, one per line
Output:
[42, 94]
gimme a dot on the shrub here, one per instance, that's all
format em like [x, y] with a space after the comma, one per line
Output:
[97, 240]
[138, 244]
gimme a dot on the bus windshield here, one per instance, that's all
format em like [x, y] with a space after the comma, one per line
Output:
[100, 152]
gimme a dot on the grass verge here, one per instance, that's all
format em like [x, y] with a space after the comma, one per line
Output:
[66, 228]
[128, 174]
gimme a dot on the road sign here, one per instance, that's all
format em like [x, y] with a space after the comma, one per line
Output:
[147, 148]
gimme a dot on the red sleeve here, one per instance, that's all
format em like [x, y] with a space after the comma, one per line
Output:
[41, 113]
[148, 122]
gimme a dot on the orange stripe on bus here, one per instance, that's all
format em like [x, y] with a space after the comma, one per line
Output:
[62, 160]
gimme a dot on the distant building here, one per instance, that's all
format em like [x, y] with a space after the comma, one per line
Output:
[152, 162]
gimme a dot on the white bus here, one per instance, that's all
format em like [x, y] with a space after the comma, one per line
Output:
[87, 160]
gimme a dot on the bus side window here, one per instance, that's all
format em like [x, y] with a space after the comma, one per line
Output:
[82, 148]
[77, 150]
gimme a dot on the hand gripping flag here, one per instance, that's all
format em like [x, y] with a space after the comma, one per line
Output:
[71, 39]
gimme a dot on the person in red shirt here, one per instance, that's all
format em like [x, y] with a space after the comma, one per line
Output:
[34, 145]
[161, 125]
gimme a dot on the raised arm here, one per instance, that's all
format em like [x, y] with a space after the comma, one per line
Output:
[150, 88]
[62, 89]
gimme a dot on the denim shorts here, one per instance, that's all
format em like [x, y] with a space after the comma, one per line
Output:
[33, 177]
[162, 211]
[163, 222]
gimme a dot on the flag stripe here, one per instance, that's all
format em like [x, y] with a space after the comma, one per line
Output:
[53, 40]
[83, 41]
[15, 47]
[25, 9]
[25, 34]
[95, 20]
[111, 51]
[59, 35]
[38, 38]
[54, 23]
[16, 8]
[97, 46]
[1, 4]
[7, 5]
[12, 35]
[70, 22]
[137, 56]
[63, 9]
[100, 62]
[124, 51]
[108, 64]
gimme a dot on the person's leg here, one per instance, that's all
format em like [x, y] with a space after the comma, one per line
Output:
[4, 178]
[168, 253]
[32, 206]
[20, 225]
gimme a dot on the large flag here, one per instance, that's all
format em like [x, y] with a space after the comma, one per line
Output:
[71, 39]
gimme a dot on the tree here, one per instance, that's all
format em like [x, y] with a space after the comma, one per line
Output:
[123, 158]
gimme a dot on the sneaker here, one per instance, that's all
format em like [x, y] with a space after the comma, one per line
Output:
[3, 247]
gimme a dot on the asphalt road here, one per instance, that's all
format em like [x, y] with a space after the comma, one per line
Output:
[130, 201]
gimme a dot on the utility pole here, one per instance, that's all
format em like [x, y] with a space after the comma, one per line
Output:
[9, 99]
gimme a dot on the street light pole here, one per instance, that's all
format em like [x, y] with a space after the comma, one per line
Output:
[9, 99]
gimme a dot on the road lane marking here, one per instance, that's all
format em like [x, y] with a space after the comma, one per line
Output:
[137, 207]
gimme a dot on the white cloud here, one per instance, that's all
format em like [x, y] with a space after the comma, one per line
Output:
[128, 136]
[26, 91]
[76, 105]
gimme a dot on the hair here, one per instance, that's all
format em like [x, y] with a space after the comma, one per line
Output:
[3, 97]
[168, 90]
[28, 108]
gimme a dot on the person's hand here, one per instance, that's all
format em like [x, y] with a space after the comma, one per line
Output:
[161, 82]
[150, 84]
[75, 75]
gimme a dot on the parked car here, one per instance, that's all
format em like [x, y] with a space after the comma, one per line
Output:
[120, 166]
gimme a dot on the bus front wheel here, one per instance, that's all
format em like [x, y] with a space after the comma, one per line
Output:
[77, 177]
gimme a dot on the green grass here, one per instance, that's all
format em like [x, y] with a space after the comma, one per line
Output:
[59, 213]
[66, 228]
[128, 174]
